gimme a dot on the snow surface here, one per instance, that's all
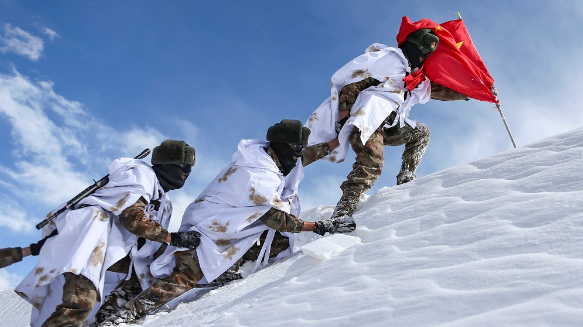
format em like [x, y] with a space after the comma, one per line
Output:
[327, 247]
[495, 242]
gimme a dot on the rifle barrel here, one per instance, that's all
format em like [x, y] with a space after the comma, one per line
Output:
[85, 193]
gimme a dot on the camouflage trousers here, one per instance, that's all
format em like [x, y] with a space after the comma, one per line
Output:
[79, 296]
[9, 256]
[369, 161]
[126, 290]
[123, 293]
[186, 275]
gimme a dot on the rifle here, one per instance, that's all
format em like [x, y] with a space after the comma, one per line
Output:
[85, 193]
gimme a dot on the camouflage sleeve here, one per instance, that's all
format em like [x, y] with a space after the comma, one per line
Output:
[9, 256]
[136, 220]
[315, 152]
[442, 93]
[281, 221]
[350, 92]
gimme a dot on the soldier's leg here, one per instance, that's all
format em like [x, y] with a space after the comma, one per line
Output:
[184, 278]
[79, 296]
[280, 243]
[365, 172]
[124, 292]
[415, 140]
[9, 256]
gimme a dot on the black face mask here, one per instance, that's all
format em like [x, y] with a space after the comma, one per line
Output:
[285, 154]
[170, 176]
[414, 54]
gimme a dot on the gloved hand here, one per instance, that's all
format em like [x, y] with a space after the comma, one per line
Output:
[494, 90]
[324, 226]
[227, 277]
[190, 239]
[35, 247]
[340, 124]
[344, 224]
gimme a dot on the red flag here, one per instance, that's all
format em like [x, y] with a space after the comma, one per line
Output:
[448, 65]
[458, 30]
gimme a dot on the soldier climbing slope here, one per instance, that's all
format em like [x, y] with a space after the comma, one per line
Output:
[369, 107]
[255, 198]
[128, 216]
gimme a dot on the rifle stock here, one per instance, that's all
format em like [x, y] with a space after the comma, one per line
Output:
[85, 193]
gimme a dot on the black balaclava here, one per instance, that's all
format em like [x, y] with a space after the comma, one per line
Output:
[170, 176]
[171, 160]
[414, 54]
[285, 154]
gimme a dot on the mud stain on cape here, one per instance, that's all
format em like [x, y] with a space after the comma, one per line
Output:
[258, 199]
[216, 226]
[120, 203]
[223, 242]
[363, 73]
[97, 256]
[253, 217]
[228, 173]
[230, 252]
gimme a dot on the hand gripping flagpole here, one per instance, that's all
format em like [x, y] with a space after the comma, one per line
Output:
[495, 92]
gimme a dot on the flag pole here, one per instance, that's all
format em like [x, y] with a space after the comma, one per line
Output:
[498, 106]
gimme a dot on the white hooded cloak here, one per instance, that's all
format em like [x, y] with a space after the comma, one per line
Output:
[91, 239]
[373, 105]
[226, 213]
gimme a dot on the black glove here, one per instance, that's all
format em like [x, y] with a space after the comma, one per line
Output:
[344, 225]
[324, 226]
[35, 247]
[227, 277]
[190, 239]
[340, 124]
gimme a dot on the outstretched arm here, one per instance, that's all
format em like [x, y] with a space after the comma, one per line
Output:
[350, 92]
[316, 152]
[285, 222]
[442, 93]
[135, 219]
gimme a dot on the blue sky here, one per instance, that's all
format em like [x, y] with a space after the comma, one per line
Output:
[82, 83]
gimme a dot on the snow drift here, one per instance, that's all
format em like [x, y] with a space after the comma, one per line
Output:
[495, 242]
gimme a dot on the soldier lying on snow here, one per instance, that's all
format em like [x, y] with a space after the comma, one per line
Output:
[123, 222]
[255, 198]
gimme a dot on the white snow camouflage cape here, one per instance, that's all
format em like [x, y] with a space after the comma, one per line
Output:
[91, 238]
[226, 213]
[373, 105]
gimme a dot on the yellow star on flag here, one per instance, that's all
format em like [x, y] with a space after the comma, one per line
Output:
[459, 44]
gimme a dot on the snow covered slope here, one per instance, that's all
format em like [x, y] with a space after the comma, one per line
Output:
[496, 242]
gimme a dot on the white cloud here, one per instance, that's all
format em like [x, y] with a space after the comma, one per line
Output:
[41, 169]
[15, 219]
[51, 34]
[8, 280]
[131, 142]
[16, 40]
[51, 134]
